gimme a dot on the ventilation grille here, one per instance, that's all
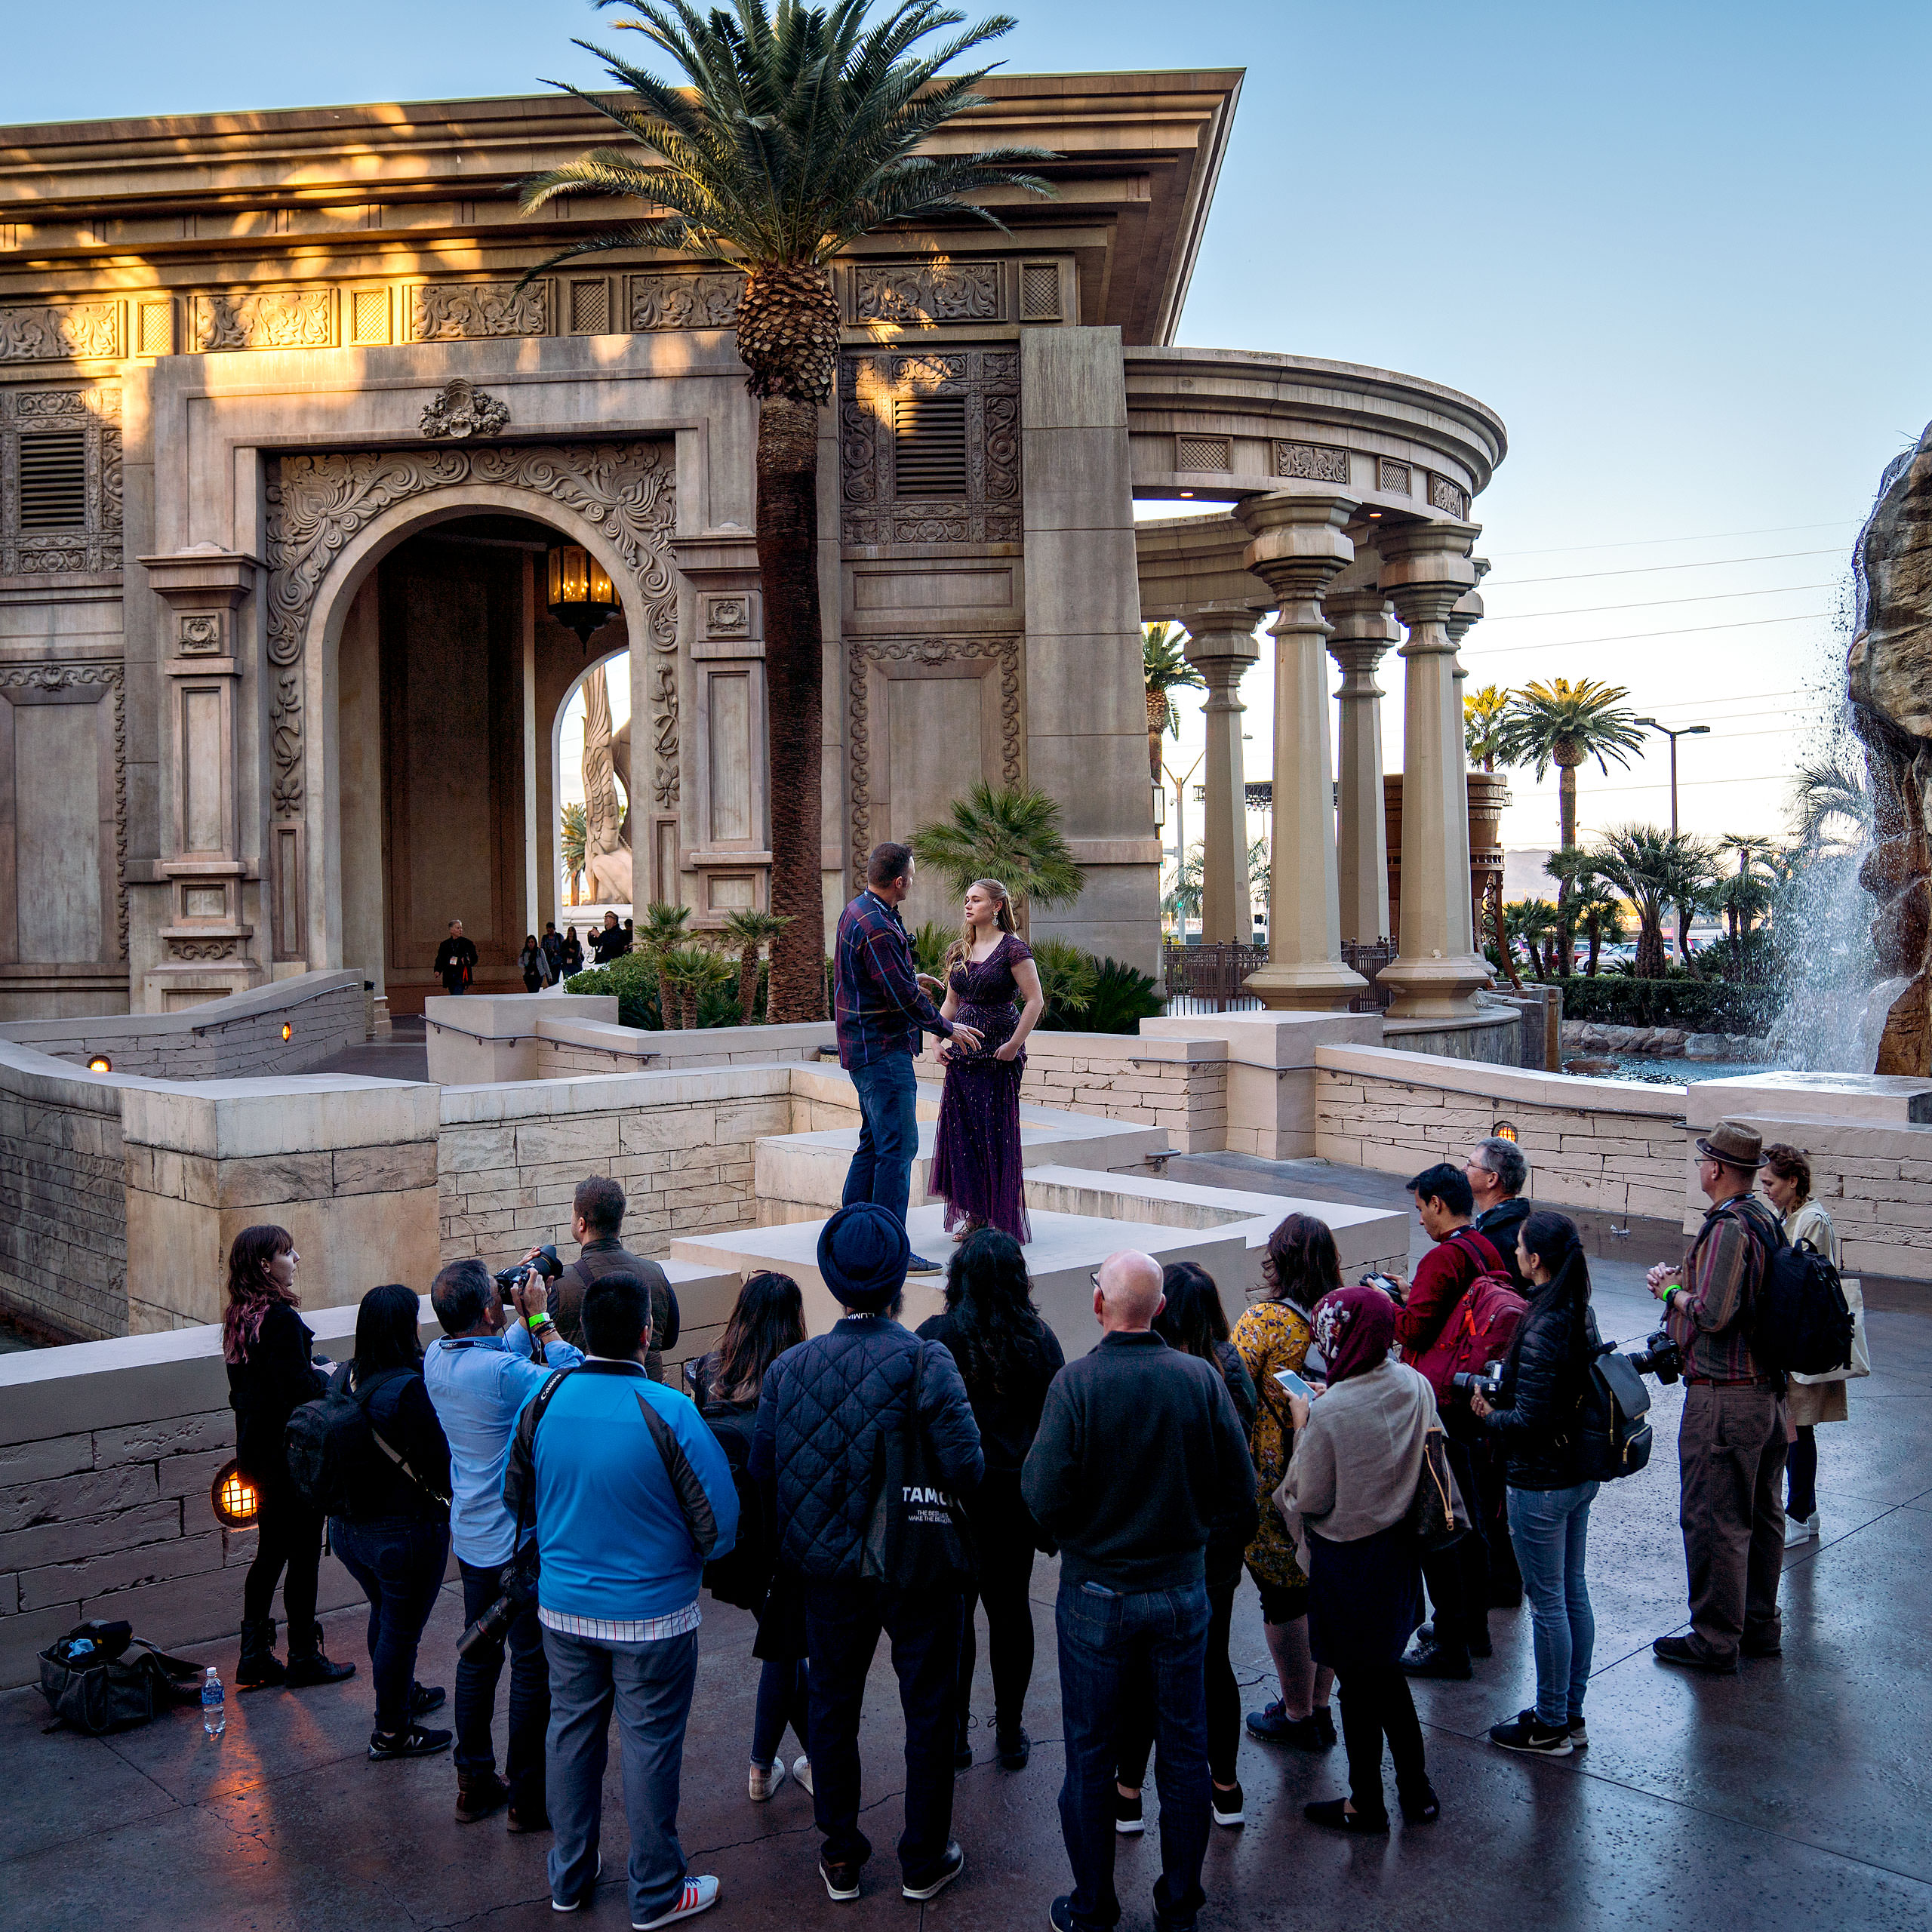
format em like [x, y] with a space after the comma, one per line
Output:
[157, 328]
[590, 308]
[369, 316]
[1039, 292]
[1202, 453]
[931, 452]
[1392, 478]
[53, 480]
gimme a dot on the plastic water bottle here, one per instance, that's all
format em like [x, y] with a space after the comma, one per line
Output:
[215, 1705]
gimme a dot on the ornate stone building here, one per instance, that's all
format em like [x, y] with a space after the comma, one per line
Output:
[285, 453]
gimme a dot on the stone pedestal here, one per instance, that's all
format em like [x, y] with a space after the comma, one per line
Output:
[1221, 646]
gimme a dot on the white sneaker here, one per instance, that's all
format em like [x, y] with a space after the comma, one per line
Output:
[1801, 1529]
[801, 1770]
[699, 1895]
[584, 1897]
[763, 1783]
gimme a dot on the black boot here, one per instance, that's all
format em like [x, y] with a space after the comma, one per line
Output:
[307, 1664]
[259, 1667]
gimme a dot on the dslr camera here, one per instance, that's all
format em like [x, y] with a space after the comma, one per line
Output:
[1658, 1356]
[490, 1629]
[545, 1264]
[1487, 1384]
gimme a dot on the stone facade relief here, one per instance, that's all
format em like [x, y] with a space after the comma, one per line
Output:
[1311, 463]
[921, 295]
[460, 411]
[60, 331]
[87, 422]
[461, 311]
[685, 301]
[275, 318]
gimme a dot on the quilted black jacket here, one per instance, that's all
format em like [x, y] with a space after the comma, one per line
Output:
[819, 1414]
[1543, 1382]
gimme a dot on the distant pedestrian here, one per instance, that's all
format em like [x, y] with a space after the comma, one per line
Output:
[1787, 1185]
[553, 952]
[611, 942]
[631, 1495]
[1139, 1460]
[531, 964]
[823, 1415]
[880, 1010]
[572, 957]
[456, 961]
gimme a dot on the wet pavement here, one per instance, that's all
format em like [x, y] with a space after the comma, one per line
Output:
[1794, 1795]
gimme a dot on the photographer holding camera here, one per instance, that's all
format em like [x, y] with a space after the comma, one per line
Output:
[479, 1377]
[1532, 1415]
[597, 1217]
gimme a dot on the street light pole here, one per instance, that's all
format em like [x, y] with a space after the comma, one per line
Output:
[1180, 828]
[1682, 731]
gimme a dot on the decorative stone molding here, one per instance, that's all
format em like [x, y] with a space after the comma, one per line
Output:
[685, 301]
[460, 311]
[727, 613]
[272, 318]
[1450, 497]
[62, 331]
[873, 512]
[920, 295]
[94, 545]
[1311, 463]
[462, 411]
[192, 950]
[862, 654]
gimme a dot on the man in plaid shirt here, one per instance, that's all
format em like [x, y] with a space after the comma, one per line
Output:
[880, 1008]
[1730, 1445]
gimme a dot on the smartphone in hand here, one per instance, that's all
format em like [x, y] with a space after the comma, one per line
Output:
[1293, 1384]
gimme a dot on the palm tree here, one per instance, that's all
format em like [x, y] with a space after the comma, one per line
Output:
[661, 930]
[1653, 868]
[1743, 898]
[1164, 668]
[1068, 977]
[576, 831]
[1532, 923]
[1566, 725]
[1483, 713]
[1831, 797]
[747, 931]
[797, 133]
[1012, 835]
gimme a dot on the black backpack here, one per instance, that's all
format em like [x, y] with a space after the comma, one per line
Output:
[328, 1440]
[1613, 1435]
[742, 1576]
[1800, 1322]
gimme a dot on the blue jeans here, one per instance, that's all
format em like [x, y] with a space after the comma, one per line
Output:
[783, 1690]
[476, 1678]
[399, 1562]
[882, 1171]
[1113, 1647]
[1548, 1528]
[650, 1686]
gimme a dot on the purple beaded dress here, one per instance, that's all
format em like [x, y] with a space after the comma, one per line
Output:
[975, 1168]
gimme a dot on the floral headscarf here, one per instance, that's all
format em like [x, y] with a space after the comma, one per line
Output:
[1354, 1328]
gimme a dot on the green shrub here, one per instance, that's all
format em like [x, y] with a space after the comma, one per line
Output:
[1066, 977]
[929, 945]
[633, 979]
[1122, 998]
[1697, 1006]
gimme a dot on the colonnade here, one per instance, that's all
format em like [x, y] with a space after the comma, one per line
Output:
[1338, 579]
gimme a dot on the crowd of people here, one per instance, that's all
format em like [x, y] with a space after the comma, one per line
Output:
[874, 1481]
[540, 962]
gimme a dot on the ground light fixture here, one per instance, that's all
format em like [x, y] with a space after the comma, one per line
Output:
[101, 1063]
[236, 1501]
[1502, 1131]
[581, 597]
[288, 1031]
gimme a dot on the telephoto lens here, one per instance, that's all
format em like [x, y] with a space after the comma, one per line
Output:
[544, 1263]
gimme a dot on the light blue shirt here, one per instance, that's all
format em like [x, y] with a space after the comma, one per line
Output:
[479, 1384]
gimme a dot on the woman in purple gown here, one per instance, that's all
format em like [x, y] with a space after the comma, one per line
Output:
[992, 984]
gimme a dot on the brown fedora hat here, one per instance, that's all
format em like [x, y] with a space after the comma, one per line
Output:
[1735, 1144]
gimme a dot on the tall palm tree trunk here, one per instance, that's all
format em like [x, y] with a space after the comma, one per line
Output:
[1502, 945]
[794, 698]
[747, 984]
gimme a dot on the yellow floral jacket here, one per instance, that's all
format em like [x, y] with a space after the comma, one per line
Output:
[1271, 1335]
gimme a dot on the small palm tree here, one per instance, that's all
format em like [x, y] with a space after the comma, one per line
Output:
[1652, 868]
[575, 832]
[1831, 799]
[661, 928]
[1483, 714]
[1068, 977]
[1532, 923]
[799, 132]
[747, 931]
[1164, 668]
[1012, 835]
[1183, 902]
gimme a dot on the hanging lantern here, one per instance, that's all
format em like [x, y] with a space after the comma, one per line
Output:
[581, 596]
[236, 1500]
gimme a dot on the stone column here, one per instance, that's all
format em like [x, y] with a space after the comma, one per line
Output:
[1462, 620]
[1297, 550]
[1425, 570]
[1221, 646]
[1364, 628]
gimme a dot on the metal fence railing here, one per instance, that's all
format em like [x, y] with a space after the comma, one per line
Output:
[1212, 978]
[1368, 961]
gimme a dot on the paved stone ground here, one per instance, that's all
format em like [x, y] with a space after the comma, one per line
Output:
[1796, 1795]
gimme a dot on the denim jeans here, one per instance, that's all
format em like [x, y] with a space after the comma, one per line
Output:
[881, 1170]
[399, 1562]
[476, 1678]
[783, 1689]
[650, 1686]
[1114, 1647]
[1549, 1528]
[842, 1624]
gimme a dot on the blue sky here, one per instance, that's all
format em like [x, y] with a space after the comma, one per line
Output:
[1685, 250]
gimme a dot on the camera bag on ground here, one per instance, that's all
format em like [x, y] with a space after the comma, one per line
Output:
[1613, 1438]
[1479, 1330]
[1800, 1321]
[101, 1677]
[328, 1439]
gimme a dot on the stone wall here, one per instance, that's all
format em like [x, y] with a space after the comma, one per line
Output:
[1617, 1146]
[1180, 1084]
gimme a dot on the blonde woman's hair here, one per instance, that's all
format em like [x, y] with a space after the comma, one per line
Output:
[1002, 917]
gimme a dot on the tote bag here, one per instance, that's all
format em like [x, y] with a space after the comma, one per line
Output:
[917, 1537]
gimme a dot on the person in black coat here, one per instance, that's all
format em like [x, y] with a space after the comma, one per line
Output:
[266, 1346]
[1534, 1419]
[393, 1534]
[1007, 1357]
[456, 961]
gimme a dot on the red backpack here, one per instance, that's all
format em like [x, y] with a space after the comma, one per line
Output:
[1479, 1330]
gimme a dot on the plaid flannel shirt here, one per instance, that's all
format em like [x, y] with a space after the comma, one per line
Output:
[1726, 1264]
[877, 1000]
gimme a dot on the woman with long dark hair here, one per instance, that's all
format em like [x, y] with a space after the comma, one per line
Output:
[1007, 1357]
[1544, 1380]
[266, 1346]
[1300, 1266]
[768, 1318]
[393, 1536]
[533, 965]
[1786, 1181]
[1192, 1320]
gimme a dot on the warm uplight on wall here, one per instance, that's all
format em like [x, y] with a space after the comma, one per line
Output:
[101, 1063]
[580, 597]
[236, 1501]
[1502, 1131]
[288, 1031]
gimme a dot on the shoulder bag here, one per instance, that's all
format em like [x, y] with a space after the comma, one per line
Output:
[917, 1535]
[1437, 1516]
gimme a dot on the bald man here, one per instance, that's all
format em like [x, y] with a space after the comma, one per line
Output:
[1139, 1459]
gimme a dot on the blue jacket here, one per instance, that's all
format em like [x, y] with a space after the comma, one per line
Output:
[479, 1384]
[632, 1493]
[819, 1414]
